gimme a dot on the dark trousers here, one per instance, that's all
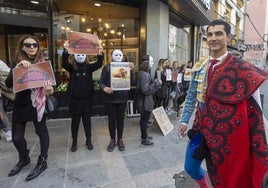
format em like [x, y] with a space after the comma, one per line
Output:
[116, 113]
[145, 116]
[18, 132]
[86, 119]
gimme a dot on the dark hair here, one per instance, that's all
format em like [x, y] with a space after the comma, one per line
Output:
[182, 68]
[227, 27]
[21, 55]
[144, 66]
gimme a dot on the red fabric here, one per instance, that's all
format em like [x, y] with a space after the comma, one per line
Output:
[234, 131]
[210, 70]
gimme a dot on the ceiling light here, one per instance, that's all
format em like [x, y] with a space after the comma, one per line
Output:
[35, 2]
[97, 4]
[83, 19]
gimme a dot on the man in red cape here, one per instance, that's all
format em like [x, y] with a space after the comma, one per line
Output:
[228, 130]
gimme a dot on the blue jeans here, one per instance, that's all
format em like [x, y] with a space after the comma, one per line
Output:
[193, 166]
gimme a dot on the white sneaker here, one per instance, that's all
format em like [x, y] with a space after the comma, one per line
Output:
[7, 135]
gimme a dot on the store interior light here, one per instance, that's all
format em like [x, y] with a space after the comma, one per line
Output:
[97, 4]
[35, 2]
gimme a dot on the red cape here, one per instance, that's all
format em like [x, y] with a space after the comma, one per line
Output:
[232, 124]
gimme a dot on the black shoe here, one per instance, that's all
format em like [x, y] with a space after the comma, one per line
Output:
[89, 145]
[146, 142]
[19, 166]
[121, 146]
[74, 147]
[39, 168]
[111, 146]
[149, 137]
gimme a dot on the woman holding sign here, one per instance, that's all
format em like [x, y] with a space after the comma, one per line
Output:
[29, 105]
[80, 89]
[116, 100]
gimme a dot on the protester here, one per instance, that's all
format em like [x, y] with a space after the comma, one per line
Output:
[187, 75]
[80, 90]
[228, 130]
[173, 94]
[160, 74]
[29, 105]
[116, 102]
[5, 125]
[146, 87]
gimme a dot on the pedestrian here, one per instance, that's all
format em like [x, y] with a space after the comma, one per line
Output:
[160, 74]
[5, 124]
[80, 90]
[29, 105]
[228, 130]
[116, 102]
[187, 75]
[173, 94]
[146, 87]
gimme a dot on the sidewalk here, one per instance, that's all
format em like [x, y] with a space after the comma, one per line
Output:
[135, 167]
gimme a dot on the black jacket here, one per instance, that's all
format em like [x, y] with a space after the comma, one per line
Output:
[116, 96]
[80, 77]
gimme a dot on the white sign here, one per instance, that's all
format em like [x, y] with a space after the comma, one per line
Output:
[162, 120]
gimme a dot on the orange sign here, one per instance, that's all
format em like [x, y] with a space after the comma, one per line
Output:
[82, 43]
[32, 77]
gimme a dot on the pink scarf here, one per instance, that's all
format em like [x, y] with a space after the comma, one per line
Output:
[38, 97]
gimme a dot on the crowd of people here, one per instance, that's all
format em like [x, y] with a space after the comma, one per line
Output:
[228, 121]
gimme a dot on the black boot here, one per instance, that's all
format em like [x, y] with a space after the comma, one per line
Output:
[39, 168]
[89, 144]
[24, 160]
[74, 146]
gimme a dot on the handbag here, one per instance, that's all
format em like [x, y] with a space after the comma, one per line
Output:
[52, 103]
[198, 147]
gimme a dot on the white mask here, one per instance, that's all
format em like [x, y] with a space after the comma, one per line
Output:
[117, 55]
[80, 58]
[151, 61]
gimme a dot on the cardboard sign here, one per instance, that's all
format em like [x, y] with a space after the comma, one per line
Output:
[32, 77]
[162, 120]
[120, 75]
[82, 43]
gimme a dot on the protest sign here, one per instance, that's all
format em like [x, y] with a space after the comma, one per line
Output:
[32, 77]
[82, 43]
[162, 120]
[120, 75]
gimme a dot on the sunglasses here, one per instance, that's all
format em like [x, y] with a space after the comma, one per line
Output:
[29, 45]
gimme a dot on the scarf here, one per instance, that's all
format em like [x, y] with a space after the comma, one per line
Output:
[38, 97]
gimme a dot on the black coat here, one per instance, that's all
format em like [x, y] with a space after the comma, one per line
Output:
[116, 96]
[80, 87]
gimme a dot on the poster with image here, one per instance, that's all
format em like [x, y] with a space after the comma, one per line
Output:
[120, 76]
[82, 43]
[32, 77]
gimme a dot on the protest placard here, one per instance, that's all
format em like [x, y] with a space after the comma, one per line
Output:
[120, 75]
[32, 77]
[162, 120]
[82, 43]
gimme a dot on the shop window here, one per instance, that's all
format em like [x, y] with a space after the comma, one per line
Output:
[113, 34]
[179, 44]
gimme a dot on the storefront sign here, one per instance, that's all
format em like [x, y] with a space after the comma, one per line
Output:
[205, 4]
[32, 77]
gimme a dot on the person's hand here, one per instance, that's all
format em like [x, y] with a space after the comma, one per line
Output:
[48, 87]
[159, 81]
[1, 115]
[25, 64]
[100, 49]
[131, 65]
[182, 130]
[108, 90]
[66, 44]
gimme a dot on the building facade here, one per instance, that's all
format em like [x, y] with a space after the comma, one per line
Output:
[256, 33]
